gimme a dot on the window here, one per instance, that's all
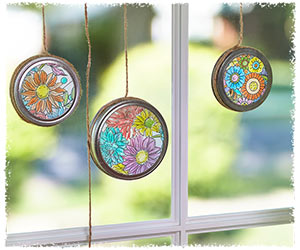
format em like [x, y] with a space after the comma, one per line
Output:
[173, 220]
[235, 160]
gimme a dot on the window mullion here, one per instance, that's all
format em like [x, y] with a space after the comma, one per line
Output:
[180, 118]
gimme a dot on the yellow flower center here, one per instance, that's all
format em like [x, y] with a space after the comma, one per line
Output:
[141, 157]
[253, 86]
[42, 91]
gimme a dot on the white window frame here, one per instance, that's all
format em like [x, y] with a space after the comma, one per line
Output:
[179, 225]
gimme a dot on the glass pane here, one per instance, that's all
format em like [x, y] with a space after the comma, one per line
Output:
[281, 235]
[239, 161]
[47, 167]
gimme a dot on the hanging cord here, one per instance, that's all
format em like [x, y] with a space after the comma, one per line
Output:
[45, 47]
[241, 26]
[88, 68]
[125, 46]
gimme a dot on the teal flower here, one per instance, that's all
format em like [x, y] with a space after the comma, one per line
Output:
[112, 145]
[235, 77]
[162, 135]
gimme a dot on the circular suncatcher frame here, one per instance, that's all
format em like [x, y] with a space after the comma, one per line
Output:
[45, 90]
[241, 79]
[129, 138]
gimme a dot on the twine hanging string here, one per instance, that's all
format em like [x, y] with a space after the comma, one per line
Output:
[125, 47]
[241, 36]
[45, 47]
[88, 68]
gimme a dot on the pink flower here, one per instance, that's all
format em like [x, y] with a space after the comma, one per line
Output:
[140, 154]
[123, 119]
[38, 114]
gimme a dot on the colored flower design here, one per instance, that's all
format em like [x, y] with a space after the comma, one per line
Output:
[57, 71]
[140, 154]
[38, 114]
[42, 92]
[253, 87]
[120, 168]
[234, 77]
[244, 61]
[245, 79]
[162, 135]
[255, 65]
[235, 62]
[234, 93]
[56, 112]
[112, 145]
[147, 123]
[244, 101]
[123, 118]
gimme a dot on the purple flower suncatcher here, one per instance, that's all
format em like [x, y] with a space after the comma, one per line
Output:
[131, 139]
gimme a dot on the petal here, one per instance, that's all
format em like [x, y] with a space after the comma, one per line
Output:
[59, 90]
[28, 85]
[36, 79]
[25, 87]
[49, 106]
[132, 150]
[132, 167]
[50, 98]
[30, 80]
[140, 118]
[140, 142]
[43, 106]
[140, 170]
[53, 81]
[49, 78]
[33, 100]
[151, 145]
[53, 93]
[28, 98]
[43, 76]
[38, 106]
[28, 93]
[119, 151]
[148, 132]
[58, 98]
[146, 143]
[58, 84]
[33, 106]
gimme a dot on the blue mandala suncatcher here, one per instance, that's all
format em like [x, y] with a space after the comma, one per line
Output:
[241, 79]
[129, 138]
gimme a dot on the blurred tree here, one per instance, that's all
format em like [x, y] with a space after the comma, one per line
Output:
[106, 33]
[25, 144]
[268, 27]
